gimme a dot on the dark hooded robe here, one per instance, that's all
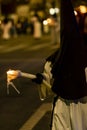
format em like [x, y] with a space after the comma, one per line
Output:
[69, 66]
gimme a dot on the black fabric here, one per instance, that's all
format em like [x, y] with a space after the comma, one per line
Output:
[68, 68]
[52, 57]
[39, 78]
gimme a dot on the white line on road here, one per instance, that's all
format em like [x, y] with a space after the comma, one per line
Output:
[12, 48]
[5, 48]
[35, 118]
[36, 47]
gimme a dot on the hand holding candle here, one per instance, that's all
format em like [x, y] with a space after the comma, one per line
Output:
[12, 74]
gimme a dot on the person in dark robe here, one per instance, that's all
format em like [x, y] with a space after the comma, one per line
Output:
[69, 71]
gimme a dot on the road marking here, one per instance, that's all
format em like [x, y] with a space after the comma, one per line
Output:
[39, 46]
[5, 48]
[12, 48]
[35, 118]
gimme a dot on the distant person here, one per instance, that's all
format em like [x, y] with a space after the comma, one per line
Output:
[37, 34]
[13, 31]
[5, 27]
[19, 27]
[54, 30]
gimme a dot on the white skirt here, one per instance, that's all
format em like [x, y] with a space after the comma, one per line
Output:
[70, 115]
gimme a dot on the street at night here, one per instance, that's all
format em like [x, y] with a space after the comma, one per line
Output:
[30, 31]
[24, 111]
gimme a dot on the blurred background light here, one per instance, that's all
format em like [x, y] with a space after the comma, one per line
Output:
[83, 9]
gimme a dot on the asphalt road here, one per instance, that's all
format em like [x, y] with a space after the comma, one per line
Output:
[28, 55]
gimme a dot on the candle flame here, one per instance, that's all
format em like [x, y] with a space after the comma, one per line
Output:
[12, 74]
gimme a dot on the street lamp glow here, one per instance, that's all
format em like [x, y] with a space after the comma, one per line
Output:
[45, 22]
[52, 11]
[57, 10]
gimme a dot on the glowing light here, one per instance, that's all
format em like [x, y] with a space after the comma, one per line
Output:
[52, 11]
[49, 20]
[12, 74]
[75, 12]
[83, 9]
[57, 10]
[45, 22]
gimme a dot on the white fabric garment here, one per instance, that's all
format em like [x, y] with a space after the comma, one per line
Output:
[37, 29]
[5, 30]
[45, 89]
[70, 115]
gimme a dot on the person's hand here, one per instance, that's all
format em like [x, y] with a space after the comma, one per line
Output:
[39, 78]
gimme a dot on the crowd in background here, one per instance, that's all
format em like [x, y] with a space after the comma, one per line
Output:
[8, 28]
[34, 26]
